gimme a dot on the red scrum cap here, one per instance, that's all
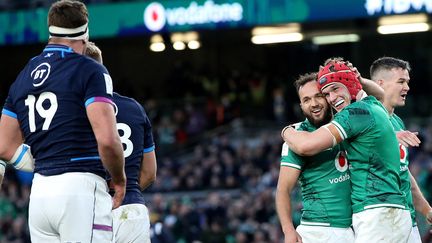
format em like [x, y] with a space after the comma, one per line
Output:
[338, 71]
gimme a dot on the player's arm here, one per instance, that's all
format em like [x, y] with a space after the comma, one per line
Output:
[10, 137]
[369, 86]
[103, 121]
[420, 203]
[310, 143]
[148, 170]
[372, 88]
[287, 180]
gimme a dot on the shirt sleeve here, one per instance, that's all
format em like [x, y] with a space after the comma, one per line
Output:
[149, 144]
[352, 121]
[290, 159]
[98, 85]
[8, 108]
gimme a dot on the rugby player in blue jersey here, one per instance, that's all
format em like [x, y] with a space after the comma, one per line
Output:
[61, 104]
[131, 219]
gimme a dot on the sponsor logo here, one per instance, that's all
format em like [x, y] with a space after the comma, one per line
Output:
[397, 6]
[156, 16]
[403, 151]
[339, 179]
[341, 161]
[40, 74]
[323, 80]
[403, 167]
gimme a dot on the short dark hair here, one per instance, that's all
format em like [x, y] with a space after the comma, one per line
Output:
[304, 79]
[68, 14]
[388, 63]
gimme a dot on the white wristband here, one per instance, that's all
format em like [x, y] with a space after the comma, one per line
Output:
[23, 159]
[2, 167]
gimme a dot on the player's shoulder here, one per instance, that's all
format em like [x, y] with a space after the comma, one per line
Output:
[361, 108]
[118, 98]
[128, 103]
[90, 65]
[306, 125]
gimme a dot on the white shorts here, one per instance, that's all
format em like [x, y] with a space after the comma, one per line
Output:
[71, 207]
[131, 223]
[382, 225]
[414, 236]
[317, 234]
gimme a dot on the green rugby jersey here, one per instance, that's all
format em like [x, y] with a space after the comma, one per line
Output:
[373, 152]
[399, 125]
[325, 184]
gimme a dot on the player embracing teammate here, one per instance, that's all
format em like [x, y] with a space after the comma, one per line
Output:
[362, 125]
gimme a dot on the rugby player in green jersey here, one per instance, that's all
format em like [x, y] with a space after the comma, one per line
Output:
[324, 179]
[379, 207]
[392, 75]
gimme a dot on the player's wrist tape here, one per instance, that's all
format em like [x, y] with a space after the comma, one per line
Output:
[23, 159]
[2, 167]
[333, 137]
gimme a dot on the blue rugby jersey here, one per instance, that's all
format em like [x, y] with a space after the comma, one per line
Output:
[49, 99]
[136, 136]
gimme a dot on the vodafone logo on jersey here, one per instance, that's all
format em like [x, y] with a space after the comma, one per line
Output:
[341, 161]
[154, 16]
[403, 153]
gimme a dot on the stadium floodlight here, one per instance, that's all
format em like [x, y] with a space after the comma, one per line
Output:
[194, 44]
[276, 34]
[403, 24]
[179, 45]
[157, 47]
[403, 28]
[333, 39]
[191, 38]
[276, 38]
[156, 43]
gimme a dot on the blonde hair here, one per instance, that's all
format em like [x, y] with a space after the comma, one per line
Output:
[93, 52]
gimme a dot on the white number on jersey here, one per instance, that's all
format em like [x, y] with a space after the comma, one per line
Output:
[127, 132]
[32, 102]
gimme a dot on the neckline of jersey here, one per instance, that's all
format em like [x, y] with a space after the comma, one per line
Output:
[57, 47]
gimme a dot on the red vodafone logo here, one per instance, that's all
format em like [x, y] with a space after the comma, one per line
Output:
[341, 161]
[403, 153]
[154, 16]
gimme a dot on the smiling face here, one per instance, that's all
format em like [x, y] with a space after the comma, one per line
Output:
[313, 104]
[395, 83]
[337, 95]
